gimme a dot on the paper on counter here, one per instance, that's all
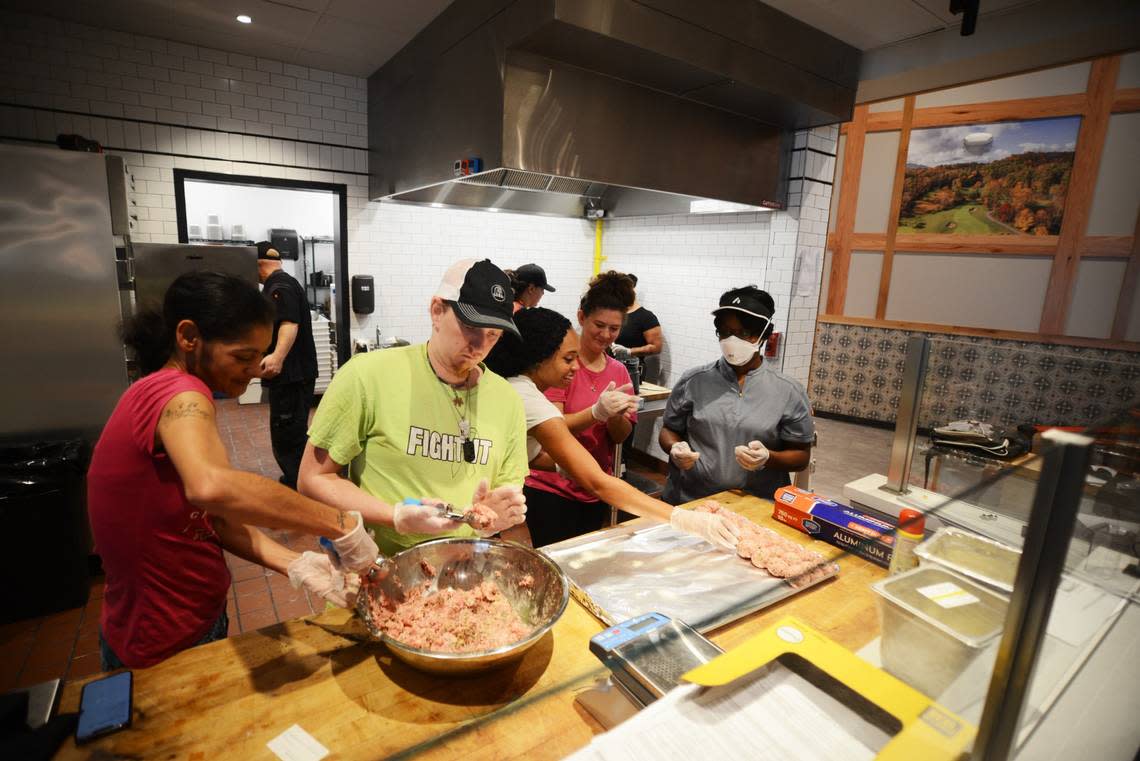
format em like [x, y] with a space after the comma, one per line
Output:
[295, 744]
[771, 715]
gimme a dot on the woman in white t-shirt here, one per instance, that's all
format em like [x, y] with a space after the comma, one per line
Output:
[545, 357]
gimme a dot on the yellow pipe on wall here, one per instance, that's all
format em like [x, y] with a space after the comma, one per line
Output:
[598, 258]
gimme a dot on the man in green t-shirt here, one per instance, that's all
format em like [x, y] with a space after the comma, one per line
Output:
[426, 421]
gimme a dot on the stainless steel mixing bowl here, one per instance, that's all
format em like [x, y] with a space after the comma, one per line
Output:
[464, 562]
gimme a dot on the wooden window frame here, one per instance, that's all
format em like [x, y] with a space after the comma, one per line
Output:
[1100, 100]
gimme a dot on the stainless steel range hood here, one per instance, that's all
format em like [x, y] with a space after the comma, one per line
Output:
[636, 107]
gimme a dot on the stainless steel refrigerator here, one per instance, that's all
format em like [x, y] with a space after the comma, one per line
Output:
[68, 276]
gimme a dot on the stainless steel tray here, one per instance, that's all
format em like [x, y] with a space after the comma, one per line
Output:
[645, 566]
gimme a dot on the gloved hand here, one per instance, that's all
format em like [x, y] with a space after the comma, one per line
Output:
[355, 550]
[614, 401]
[508, 502]
[711, 527]
[752, 457]
[315, 572]
[620, 352]
[682, 456]
[413, 516]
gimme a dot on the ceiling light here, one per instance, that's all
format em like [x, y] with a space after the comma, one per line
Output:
[437, 206]
[244, 19]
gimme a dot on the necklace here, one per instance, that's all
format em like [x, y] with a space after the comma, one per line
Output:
[460, 408]
[591, 375]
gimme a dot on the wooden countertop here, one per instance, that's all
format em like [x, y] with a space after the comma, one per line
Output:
[229, 698]
[651, 392]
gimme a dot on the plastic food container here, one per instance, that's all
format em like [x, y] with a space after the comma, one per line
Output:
[976, 557]
[935, 623]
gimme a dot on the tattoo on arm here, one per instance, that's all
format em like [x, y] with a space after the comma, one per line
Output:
[184, 410]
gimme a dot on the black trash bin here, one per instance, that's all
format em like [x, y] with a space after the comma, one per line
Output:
[42, 500]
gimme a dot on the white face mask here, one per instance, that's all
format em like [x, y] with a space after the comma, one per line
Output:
[737, 351]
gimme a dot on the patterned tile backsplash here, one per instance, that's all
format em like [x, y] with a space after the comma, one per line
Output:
[857, 371]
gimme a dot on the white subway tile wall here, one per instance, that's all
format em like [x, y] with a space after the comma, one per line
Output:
[165, 105]
[407, 248]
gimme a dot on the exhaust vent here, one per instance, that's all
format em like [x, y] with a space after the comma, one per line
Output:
[516, 180]
[493, 179]
[637, 107]
[569, 185]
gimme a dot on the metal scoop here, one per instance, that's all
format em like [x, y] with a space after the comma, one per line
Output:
[449, 511]
[383, 577]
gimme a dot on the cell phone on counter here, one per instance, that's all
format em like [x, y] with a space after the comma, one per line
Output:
[104, 707]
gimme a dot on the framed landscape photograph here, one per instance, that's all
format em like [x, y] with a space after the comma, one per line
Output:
[1007, 178]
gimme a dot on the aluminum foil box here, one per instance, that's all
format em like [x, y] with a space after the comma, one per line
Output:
[868, 536]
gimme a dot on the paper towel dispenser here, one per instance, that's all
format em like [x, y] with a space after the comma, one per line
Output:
[363, 294]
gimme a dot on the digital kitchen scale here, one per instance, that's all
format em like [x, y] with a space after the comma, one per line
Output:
[649, 653]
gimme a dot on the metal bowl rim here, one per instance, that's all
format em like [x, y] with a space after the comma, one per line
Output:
[522, 644]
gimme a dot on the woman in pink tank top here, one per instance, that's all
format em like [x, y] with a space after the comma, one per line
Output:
[599, 408]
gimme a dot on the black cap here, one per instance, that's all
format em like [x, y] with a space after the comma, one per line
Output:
[265, 250]
[480, 293]
[749, 300]
[534, 275]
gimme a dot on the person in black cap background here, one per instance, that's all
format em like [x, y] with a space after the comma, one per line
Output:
[426, 421]
[736, 423]
[529, 284]
[289, 369]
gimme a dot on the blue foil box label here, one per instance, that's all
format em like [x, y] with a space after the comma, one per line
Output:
[845, 527]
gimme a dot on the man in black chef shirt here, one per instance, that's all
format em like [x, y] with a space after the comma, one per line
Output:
[640, 336]
[289, 370]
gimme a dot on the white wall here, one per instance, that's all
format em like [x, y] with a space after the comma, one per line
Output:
[407, 248]
[683, 264]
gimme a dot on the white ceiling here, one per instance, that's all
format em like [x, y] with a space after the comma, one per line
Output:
[345, 36]
[869, 24]
[358, 36]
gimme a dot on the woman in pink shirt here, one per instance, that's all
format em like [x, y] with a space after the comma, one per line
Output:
[599, 408]
[164, 500]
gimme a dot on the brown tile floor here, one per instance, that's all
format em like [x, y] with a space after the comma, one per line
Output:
[66, 644]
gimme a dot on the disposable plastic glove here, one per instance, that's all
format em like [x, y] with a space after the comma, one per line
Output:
[413, 516]
[711, 527]
[355, 550]
[682, 456]
[315, 572]
[752, 457]
[614, 401]
[508, 502]
[620, 352]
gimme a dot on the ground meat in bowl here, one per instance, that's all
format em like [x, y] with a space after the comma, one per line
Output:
[450, 620]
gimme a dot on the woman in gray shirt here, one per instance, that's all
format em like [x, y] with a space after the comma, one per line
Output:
[736, 423]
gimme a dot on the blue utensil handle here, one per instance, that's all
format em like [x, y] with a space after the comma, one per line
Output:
[330, 550]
